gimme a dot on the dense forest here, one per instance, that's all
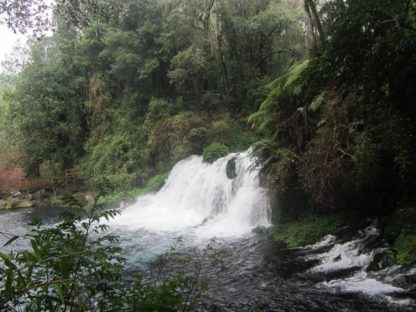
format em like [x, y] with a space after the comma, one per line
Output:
[157, 82]
[323, 92]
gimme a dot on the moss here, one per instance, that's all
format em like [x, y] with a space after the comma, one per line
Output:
[307, 230]
[215, 151]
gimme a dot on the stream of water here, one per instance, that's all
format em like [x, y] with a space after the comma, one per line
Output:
[200, 204]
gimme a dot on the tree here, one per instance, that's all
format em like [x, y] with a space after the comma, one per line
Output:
[35, 15]
[23, 15]
[47, 108]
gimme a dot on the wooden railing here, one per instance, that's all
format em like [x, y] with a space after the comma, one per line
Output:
[38, 183]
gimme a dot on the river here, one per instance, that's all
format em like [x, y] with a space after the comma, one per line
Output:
[202, 206]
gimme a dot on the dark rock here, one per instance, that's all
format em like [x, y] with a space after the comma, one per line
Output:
[231, 169]
[8, 203]
[41, 194]
[380, 262]
[259, 229]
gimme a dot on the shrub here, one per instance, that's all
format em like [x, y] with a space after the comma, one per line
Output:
[215, 151]
[156, 183]
[242, 140]
[69, 269]
[401, 232]
[405, 246]
[158, 109]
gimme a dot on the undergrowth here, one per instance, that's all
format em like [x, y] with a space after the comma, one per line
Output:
[401, 232]
[307, 230]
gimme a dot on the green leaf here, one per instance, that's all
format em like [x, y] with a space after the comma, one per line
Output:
[60, 293]
[35, 248]
[321, 122]
[9, 280]
[317, 102]
[5, 257]
[11, 240]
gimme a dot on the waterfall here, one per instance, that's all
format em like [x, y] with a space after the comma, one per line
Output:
[199, 198]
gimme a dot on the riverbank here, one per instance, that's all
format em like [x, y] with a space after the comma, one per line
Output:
[20, 200]
[397, 232]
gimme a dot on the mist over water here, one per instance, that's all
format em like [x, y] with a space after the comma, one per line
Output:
[199, 197]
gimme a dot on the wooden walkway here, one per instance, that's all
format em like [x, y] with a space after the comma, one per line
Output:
[38, 183]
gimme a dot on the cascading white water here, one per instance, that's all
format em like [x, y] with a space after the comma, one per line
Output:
[200, 197]
[355, 255]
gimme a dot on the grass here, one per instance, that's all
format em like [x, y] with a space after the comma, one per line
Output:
[307, 230]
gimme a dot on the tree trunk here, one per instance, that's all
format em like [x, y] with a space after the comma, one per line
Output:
[318, 23]
[313, 15]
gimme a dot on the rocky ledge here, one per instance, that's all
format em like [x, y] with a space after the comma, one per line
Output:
[23, 200]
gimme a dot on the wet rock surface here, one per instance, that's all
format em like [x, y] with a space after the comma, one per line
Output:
[231, 169]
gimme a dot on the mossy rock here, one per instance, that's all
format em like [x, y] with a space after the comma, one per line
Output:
[23, 203]
[11, 203]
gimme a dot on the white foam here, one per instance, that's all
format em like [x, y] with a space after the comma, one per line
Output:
[346, 255]
[201, 199]
[361, 282]
[353, 254]
[325, 242]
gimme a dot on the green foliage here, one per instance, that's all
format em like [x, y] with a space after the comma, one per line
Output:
[280, 101]
[10, 151]
[187, 68]
[317, 102]
[75, 265]
[158, 109]
[307, 230]
[215, 151]
[401, 231]
[346, 117]
[65, 268]
[242, 140]
[124, 95]
[156, 183]
[406, 249]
